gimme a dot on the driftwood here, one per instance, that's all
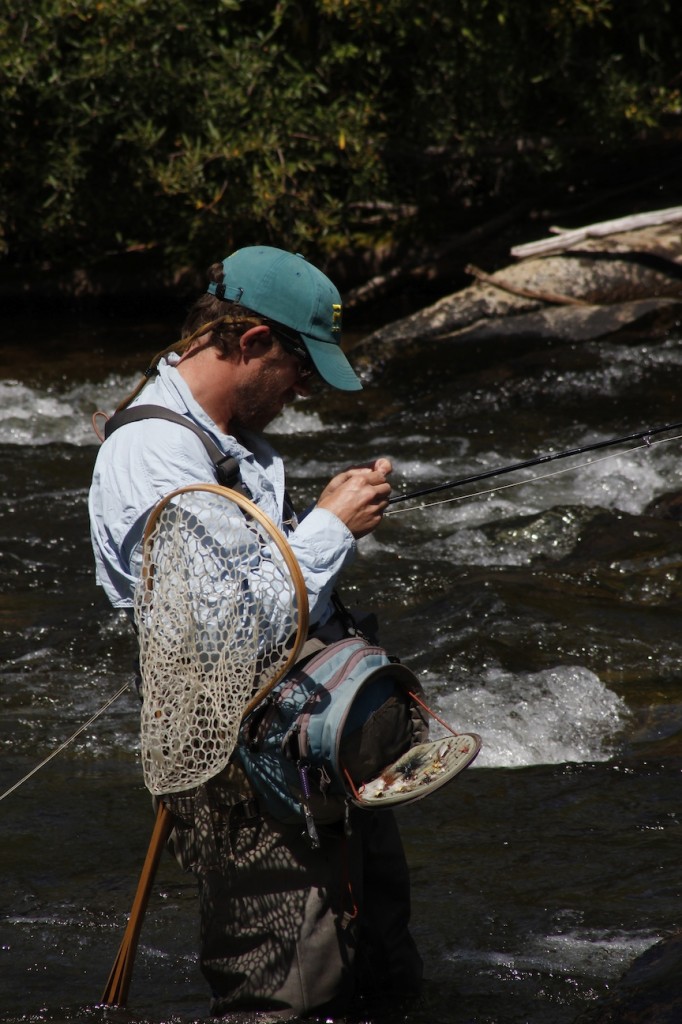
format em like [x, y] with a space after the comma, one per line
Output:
[567, 239]
[611, 281]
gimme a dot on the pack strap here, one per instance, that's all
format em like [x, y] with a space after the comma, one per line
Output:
[226, 466]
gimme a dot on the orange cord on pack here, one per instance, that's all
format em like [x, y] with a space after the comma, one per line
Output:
[356, 793]
[432, 713]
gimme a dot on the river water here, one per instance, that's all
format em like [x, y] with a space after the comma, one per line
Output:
[544, 615]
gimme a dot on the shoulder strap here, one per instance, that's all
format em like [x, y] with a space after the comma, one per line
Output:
[226, 466]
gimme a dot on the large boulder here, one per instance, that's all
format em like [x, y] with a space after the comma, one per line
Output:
[649, 993]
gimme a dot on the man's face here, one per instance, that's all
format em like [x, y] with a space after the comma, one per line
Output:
[275, 378]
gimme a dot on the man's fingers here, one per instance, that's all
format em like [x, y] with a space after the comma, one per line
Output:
[383, 466]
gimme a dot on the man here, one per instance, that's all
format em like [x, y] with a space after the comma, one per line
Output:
[285, 928]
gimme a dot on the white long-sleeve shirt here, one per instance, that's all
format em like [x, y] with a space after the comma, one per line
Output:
[143, 461]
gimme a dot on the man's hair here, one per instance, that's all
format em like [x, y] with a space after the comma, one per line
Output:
[207, 308]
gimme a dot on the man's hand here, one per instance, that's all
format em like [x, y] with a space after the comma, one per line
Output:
[358, 496]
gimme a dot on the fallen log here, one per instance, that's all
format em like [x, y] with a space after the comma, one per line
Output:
[584, 293]
[567, 324]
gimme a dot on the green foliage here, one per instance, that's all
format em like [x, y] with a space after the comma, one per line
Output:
[193, 126]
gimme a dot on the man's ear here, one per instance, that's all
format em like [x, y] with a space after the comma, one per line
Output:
[255, 342]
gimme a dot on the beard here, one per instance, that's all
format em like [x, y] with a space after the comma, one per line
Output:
[261, 401]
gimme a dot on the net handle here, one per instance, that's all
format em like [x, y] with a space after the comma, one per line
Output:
[278, 538]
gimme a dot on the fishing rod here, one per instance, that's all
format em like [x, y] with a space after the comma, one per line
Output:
[538, 460]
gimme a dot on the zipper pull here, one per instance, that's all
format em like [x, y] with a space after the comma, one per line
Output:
[305, 804]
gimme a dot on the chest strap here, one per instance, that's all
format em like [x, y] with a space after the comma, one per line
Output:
[226, 466]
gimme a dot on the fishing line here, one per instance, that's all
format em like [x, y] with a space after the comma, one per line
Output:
[530, 480]
[65, 744]
[535, 461]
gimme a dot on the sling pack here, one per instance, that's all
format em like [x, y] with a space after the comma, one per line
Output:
[347, 717]
[226, 466]
[334, 722]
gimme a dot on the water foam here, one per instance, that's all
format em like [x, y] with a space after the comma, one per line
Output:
[35, 416]
[579, 952]
[559, 715]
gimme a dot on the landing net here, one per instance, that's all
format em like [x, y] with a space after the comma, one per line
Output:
[222, 612]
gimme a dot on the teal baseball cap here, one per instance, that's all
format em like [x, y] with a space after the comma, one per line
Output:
[283, 287]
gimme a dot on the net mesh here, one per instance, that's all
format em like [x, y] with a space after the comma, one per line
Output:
[221, 611]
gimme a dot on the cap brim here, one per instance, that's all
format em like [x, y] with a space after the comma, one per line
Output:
[332, 365]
